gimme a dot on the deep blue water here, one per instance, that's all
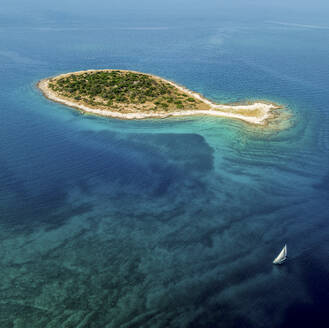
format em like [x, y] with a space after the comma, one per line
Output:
[164, 223]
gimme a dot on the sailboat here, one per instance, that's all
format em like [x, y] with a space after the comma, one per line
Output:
[282, 256]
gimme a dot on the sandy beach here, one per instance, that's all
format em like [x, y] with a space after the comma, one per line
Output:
[258, 113]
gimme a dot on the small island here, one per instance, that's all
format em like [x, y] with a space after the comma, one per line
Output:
[134, 95]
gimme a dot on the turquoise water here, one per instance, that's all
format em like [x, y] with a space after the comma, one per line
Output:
[174, 222]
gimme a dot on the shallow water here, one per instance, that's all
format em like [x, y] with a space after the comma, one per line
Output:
[164, 223]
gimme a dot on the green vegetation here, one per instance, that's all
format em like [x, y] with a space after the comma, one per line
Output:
[117, 89]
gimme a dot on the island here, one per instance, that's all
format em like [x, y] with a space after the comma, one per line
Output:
[133, 95]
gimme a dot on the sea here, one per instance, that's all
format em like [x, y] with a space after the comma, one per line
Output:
[174, 222]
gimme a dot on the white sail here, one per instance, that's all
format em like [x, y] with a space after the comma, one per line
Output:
[282, 256]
